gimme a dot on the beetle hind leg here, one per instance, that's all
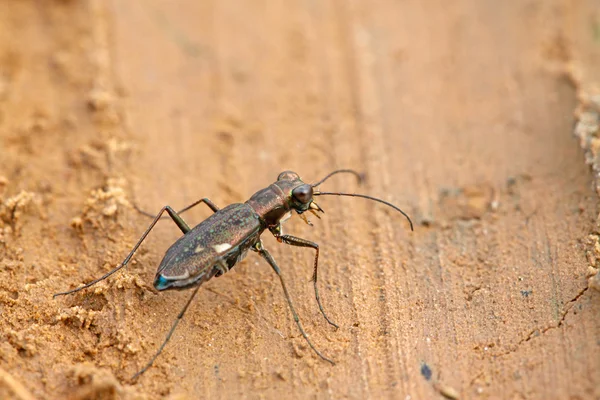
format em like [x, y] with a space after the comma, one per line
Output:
[183, 226]
[164, 343]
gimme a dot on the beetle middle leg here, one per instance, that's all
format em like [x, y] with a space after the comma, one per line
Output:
[205, 200]
[299, 242]
[174, 216]
[267, 256]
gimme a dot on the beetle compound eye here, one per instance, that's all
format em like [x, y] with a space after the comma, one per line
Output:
[303, 193]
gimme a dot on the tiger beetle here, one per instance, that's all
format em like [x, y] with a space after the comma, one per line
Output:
[222, 240]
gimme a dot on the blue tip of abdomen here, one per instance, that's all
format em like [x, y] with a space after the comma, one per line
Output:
[161, 283]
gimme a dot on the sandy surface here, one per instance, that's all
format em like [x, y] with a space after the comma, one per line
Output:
[461, 114]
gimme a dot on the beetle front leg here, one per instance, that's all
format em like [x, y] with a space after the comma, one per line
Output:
[299, 242]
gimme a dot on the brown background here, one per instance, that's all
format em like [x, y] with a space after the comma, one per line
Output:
[459, 112]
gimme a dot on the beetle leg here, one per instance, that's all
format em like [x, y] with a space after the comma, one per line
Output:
[221, 267]
[162, 346]
[176, 218]
[276, 230]
[296, 241]
[205, 200]
[267, 256]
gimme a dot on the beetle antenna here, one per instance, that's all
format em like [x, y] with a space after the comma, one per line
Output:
[364, 196]
[360, 177]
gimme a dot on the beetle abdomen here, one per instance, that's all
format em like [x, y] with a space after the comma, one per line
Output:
[211, 248]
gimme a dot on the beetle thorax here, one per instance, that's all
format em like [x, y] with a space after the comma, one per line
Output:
[271, 204]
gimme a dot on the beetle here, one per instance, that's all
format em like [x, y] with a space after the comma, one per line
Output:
[218, 243]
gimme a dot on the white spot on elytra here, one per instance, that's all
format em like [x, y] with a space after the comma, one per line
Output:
[219, 248]
[199, 249]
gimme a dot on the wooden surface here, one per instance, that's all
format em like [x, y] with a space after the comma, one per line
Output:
[458, 113]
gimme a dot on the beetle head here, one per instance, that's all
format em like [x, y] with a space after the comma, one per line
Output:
[300, 194]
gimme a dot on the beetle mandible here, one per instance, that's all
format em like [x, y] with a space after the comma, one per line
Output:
[218, 243]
